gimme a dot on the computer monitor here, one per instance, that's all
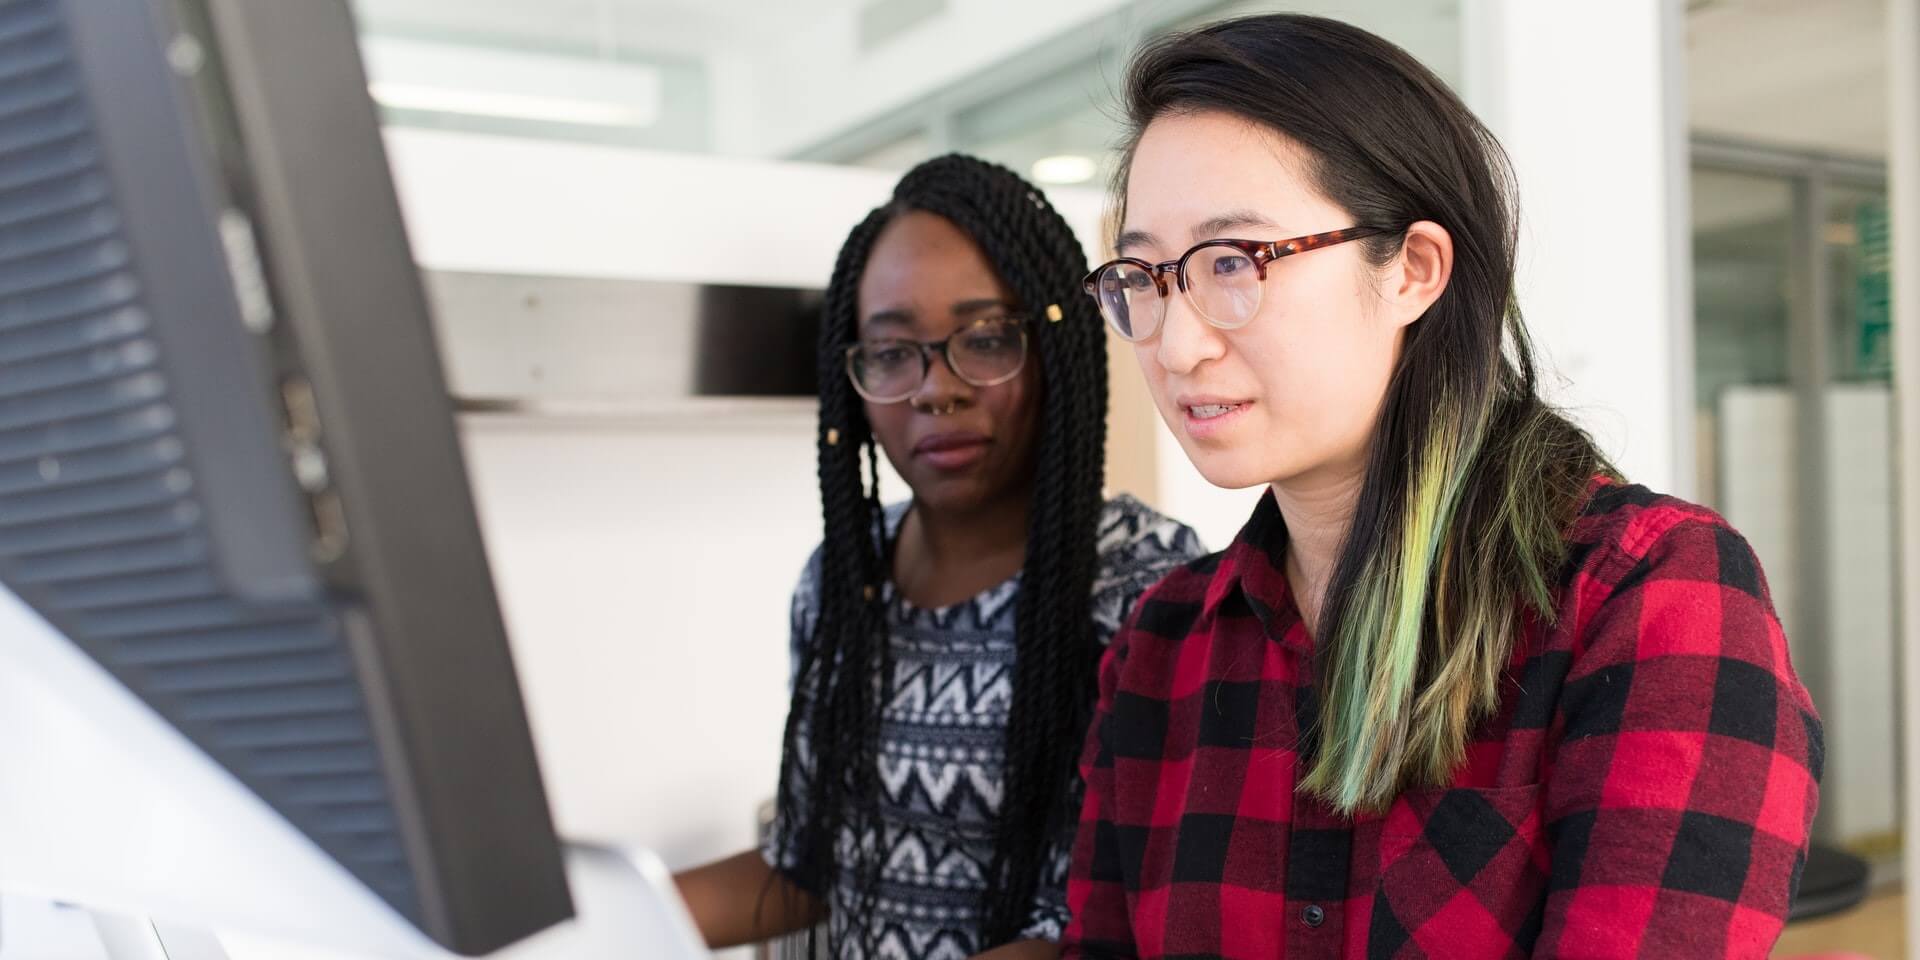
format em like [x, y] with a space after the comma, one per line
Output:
[255, 672]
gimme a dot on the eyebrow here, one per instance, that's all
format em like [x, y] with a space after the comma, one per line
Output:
[969, 307]
[1233, 219]
[1132, 238]
[965, 308]
[1204, 230]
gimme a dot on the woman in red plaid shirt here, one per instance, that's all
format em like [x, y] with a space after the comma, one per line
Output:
[1456, 689]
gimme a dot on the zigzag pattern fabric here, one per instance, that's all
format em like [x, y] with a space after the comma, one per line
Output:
[942, 745]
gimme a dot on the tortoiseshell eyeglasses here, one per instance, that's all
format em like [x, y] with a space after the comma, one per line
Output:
[1222, 279]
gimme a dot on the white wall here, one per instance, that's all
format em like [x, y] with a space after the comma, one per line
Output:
[1589, 102]
[511, 205]
[490, 204]
[644, 569]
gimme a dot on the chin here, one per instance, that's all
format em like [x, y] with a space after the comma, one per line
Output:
[949, 494]
[1229, 469]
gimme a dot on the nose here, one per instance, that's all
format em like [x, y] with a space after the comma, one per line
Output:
[941, 388]
[1187, 340]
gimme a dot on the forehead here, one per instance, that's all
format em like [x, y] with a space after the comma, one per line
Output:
[1189, 168]
[926, 273]
[920, 248]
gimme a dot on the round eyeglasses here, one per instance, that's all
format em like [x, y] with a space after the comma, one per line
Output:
[988, 351]
[1221, 279]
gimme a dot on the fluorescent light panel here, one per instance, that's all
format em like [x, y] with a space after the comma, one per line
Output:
[478, 103]
[483, 82]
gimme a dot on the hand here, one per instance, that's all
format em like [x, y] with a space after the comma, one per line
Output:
[742, 900]
[1023, 950]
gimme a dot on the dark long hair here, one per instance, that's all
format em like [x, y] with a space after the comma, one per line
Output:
[1472, 479]
[845, 673]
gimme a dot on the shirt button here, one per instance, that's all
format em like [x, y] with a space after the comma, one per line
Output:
[1314, 916]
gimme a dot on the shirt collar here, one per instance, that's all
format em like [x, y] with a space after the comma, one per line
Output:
[1253, 572]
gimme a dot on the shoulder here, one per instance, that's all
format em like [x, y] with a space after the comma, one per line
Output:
[1668, 593]
[1137, 546]
[895, 512]
[1131, 532]
[807, 586]
[1626, 534]
[1668, 634]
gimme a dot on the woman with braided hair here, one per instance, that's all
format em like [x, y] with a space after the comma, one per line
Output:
[945, 646]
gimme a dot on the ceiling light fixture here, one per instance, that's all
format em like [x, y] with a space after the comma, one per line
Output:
[1064, 169]
[511, 106]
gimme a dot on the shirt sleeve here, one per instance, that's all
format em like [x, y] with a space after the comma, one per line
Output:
[1686, 759]
[1100, 925]
[802, 615]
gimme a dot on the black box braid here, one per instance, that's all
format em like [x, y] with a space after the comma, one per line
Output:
[845, 672]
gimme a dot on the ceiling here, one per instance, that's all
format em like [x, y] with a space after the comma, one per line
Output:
[1807, 74]
[687, 27]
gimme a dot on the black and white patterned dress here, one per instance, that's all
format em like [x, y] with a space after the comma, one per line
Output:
[941, 744]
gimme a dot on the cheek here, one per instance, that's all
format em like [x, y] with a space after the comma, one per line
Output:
[889, 423]
[1326, 370]
[1148, 357]
[1016, 406]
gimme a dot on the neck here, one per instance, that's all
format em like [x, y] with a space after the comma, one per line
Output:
[1318, 509]
[988, 529]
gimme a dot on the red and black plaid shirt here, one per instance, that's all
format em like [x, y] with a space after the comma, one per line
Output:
[1645, 789]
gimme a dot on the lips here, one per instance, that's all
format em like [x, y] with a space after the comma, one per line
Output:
[1206, 406]
[1206, 415]
[1208, 411]
[952, 451]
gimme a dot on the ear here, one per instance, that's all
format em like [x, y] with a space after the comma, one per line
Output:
[1425, 264]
